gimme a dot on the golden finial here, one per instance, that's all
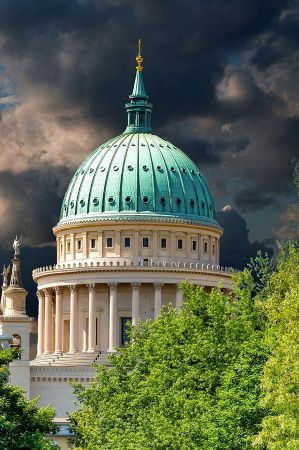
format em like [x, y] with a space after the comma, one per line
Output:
[139, 58]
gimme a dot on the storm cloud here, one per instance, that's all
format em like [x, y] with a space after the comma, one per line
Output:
[223, 78]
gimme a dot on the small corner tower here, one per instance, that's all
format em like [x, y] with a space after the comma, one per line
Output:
[14, 321]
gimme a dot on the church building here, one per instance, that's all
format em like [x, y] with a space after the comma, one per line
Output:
[136, 220]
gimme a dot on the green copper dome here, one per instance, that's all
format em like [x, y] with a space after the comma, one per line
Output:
[138, 176]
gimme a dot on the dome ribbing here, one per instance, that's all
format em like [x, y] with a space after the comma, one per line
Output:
[138, 176]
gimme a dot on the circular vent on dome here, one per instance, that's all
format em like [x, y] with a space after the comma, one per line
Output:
[111, 200]
[163, 201]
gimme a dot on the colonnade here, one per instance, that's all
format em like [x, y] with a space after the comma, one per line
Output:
[46, 323]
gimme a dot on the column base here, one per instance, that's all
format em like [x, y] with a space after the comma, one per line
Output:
[91, 350]
[111, 350]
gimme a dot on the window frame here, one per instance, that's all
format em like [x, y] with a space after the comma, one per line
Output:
[79, 245]
[180, 244]
[194, 245]
[91, 242]
[162, 239]
[112, 243]
[125, 238]
[148, 242]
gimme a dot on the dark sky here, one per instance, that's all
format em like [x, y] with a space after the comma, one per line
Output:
[223, 77]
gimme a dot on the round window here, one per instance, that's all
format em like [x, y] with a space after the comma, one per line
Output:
[163, 200]
[111, 200]
[130, 168]
[178, 201]
[145, 199]
[95, 201]
[82, 202]
[128, 199]
[192, 203]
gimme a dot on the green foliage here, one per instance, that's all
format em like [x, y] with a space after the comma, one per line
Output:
[261, 267]
[22, 424]
[189, 380]
[280, 429]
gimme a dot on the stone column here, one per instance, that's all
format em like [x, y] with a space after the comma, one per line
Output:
[48, 321]
[91, 318]
[135, 303]
[179, 298]
[112, 316]
[58, 320]
[73, 319]
[157, 299]
[40, 323]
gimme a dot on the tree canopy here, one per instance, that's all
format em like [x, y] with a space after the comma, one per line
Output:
[189, 380]
[23, 426]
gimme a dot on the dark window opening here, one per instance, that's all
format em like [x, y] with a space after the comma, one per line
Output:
[96, 331]
[145, 242]
[194, 245]
[180, 244]
[206, 247]
[109, 242]
[79, 245]
[127, 242]
[163, 243]
[125, 327]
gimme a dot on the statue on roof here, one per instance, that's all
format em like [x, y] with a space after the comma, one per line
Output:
[5, 273]
[16, 245]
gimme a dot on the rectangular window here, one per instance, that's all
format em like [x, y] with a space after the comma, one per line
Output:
[127, 242]
[68, 246]
[180, 244]
[109, 242]
[92, 244]
[194, 246]
[79, 245]
[163, 243]
[206, 247]
[61, 248]
[213, 249]
[145, 242]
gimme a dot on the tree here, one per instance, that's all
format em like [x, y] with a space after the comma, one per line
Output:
[189, 380]
[23, 426]
[280, 381]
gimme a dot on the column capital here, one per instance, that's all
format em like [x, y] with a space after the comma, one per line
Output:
[58, 290]
[112, 284]
[158, 285]
[135, 284]
[73, 287]
[40, 294]
[47, 292]
[91, 287]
